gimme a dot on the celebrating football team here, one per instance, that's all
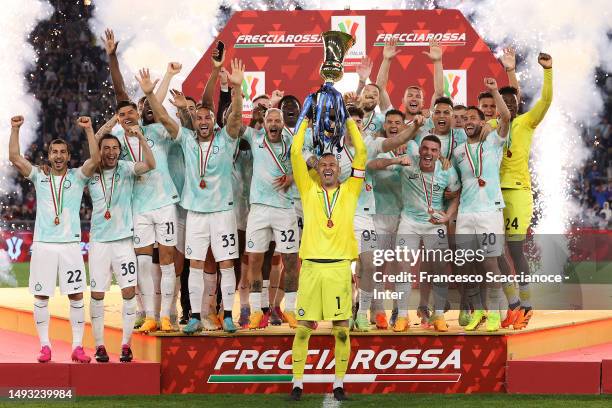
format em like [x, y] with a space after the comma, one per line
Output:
[193, 203]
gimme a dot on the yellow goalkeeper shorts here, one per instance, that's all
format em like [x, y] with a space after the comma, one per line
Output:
[517, 213]
[324, 291]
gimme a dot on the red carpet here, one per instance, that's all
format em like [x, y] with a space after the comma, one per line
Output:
[19, 368]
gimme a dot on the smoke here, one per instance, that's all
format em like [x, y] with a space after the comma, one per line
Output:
[19, 19]
[155, 32]
[6, 276]
[575, 34]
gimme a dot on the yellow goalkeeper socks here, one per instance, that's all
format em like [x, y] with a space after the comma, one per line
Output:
[511, 296]
[342, 351]
[299, 351]
[525, 294]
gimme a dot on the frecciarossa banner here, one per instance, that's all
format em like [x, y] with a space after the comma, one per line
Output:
[378, 364]
[283, 50]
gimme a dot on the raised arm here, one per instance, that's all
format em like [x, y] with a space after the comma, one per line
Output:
[537, 113]
[90, 165]
[298, 165]
[148, 160]
[23, 166]
[435, 55]
[111, 50]
[185, 115]
[158, 109]
[383, 163]
[209, 89]
[361, 152]
[234, 120]
[162, 90]
[364, 69]
[408, 133]
[276, 97]
[389, 52]
[500, 105]
[225, 95]
[106, 128]
[180, 103]
[508, 60]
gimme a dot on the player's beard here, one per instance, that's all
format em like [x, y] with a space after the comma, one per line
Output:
[330, 181]
[413, 110]
[109, 164]
[59, 170]
[369, 106]
[330, 184]
[476, 132]
[431, 164]
[274, 133]
[204, 135]
[57, 167]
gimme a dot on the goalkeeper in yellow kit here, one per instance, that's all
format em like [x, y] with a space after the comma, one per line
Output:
[327, 249]
[516, 189]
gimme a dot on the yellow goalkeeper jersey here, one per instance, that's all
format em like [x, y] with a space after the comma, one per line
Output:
[327, 237]
[514, 171]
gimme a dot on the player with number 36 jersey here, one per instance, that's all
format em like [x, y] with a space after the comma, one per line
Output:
[111, 250]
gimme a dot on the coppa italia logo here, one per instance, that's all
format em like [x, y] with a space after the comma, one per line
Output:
[355, 26]
[254, 84]
[13, 246]
[348, 26]
[455, 85]
[367, 365]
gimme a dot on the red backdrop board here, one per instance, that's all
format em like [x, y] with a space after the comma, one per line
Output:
[378, 364]
[283, 50]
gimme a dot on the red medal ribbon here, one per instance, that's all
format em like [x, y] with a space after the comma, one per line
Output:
[204, 164]
[330, 204]
[57, 196]
[278, 161]
[428, 196]
[108, 202]
[131, 152]
[476, 167]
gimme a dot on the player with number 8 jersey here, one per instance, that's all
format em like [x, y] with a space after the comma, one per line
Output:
[111, 250]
